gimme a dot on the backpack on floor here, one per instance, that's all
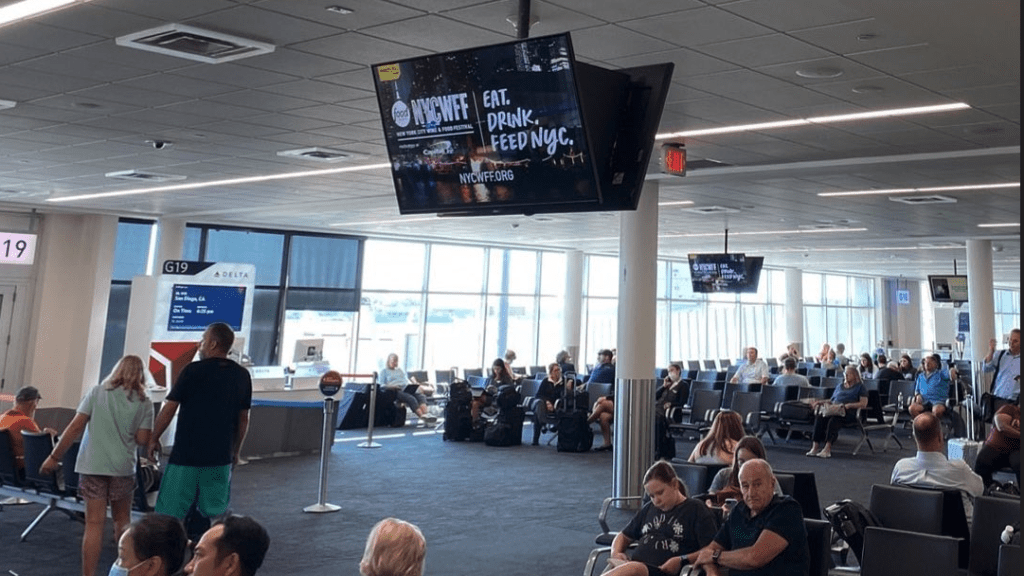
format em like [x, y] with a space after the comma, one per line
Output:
[508, 397]
[458, 419]
[850, 519]
[506, 429]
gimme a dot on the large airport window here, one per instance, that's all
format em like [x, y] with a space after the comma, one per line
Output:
[337, 329]
[389, 323]
[456, 269]
[129, 259]
[454, 331]
[602, 277]
[393, 265]
[549, 328]
[323, 262]
[264, 250]
[552, 274]
[117, 324]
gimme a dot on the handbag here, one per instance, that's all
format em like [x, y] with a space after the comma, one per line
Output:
[830, 410]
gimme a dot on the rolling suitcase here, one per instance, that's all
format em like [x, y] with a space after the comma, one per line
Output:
[965, 449]
[574, 433]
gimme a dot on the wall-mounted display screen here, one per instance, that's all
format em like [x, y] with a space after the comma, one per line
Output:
[948, 288]
[196, 306]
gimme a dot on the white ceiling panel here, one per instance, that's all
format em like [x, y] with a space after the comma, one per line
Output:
[436, 33]
[698, 27]
[365, 13]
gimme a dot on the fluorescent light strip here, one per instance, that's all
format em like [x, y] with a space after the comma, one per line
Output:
[227, 182]
[392, 221]
[817, 120]
[765, 232]
[928, 189]
[1006, 225]
[29, 8]
[676, 203]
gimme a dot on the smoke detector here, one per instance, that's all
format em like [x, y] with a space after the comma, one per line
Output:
[194, 43]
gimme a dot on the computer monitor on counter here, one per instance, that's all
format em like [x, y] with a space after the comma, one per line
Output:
[308, 350]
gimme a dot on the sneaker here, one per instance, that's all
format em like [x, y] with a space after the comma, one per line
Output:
[824, 454]
[811, 453]
[429, 419]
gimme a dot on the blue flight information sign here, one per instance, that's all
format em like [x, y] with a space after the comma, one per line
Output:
[196, 306]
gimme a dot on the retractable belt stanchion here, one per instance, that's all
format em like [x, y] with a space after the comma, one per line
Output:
[373, 412]
[330, 383]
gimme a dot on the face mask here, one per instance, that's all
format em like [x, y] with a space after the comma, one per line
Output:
[117, 570]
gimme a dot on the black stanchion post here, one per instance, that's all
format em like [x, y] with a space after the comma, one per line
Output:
[373, 412]
[330, 383]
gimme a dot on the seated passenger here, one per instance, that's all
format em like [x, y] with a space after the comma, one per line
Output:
[393, 378]
[932, 387]
[664, 528]
[931, 469]
[755, 371]
[789, 377]
[906, 367]
[726, 483]
[564, 360]
[866, 366]
[500, 376]
[394, 548]
[764, 533]
[153, 546]
[1002, 447]
[19, 418]
[851, 395]
[233, 546]
[840, 351]
[888, 372]
[822, 356]
[551, 389]
[792, 351]
[604, 407]
[668, 394]
[719, 446]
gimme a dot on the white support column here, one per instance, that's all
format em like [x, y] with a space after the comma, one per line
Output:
[981, 305]
[637, 315]
[171, 240]
[795, 309]
[75, 260]
[572, 318]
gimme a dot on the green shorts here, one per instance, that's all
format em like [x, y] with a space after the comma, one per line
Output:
[209, 487]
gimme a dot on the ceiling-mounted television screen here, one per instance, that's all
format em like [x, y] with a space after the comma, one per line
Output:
[499, 126]
[517, 128]
[948, 288]
[752, 269]
[718, 272]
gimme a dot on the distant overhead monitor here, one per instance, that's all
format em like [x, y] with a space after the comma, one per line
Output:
[752, 266]
[948, 288]
[719, 273]
[308, 350]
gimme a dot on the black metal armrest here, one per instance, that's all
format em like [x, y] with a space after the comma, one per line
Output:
[602, 517]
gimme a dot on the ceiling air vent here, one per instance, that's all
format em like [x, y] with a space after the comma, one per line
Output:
[138, 175]
[194, 43]
[929, 199]
[711, 210]
[318, 154]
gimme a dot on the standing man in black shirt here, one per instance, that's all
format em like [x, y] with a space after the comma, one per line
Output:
[214, 396]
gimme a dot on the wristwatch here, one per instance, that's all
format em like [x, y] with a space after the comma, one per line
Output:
[715, 555]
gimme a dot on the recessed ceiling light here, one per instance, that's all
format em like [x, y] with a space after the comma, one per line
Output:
[1001, 225]
[820, 72]
[318, 154]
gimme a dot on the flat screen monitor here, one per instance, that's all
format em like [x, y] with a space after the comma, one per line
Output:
[948, 288]
[752, 268]
[495, 127]
[718, 272]
[308, 350]
[196, 306]
[518, 128]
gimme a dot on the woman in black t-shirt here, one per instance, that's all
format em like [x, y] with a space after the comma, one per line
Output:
[665, 528]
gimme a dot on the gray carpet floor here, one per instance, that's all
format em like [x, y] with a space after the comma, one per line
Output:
[525, 510]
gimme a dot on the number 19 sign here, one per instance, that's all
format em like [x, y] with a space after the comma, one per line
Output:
[17, 248]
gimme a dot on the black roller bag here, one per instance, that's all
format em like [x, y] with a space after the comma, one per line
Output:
[850, 519]
[574, 433]
[458, 420]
